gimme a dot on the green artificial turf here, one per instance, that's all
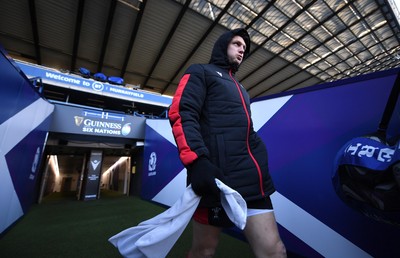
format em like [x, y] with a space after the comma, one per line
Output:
[63, 227]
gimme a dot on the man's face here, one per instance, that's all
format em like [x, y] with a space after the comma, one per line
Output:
[235, 50]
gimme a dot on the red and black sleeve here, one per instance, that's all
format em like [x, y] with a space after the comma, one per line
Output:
[185, 114]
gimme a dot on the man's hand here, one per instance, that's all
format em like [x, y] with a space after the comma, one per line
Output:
[202, 176]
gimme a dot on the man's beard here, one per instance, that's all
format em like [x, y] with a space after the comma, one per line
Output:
[234, 66]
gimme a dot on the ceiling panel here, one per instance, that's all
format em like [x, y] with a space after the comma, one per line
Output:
[151, 42]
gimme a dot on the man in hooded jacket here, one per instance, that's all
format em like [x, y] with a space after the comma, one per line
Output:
[211, 122]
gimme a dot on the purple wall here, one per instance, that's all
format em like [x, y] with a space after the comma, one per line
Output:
[303, 131]
[303, 138]
[24, 121]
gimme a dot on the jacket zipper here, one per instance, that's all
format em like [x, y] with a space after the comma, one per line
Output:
[248, 133]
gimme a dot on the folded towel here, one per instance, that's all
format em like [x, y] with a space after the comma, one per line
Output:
[155, 237]
[234, 205]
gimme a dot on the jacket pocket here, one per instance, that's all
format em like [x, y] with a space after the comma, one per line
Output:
[221, 151]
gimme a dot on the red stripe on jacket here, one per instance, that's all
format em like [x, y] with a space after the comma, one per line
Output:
[186, 155]
[248, 133]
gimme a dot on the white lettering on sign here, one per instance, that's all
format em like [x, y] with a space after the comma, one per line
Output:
[360, 150]
[63, 78]
[127, 92]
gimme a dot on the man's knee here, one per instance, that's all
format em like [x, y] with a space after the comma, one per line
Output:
[204, 249]
[271, 250]
[280, 249]
[205, 240]
[201, 253]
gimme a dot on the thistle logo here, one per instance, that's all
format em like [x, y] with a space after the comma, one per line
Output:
[152, 164]
[35, 160]
[35, 164]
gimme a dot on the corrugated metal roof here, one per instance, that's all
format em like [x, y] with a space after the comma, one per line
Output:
[295, 44]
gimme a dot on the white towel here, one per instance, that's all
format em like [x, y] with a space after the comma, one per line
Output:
[234, 205]
[155, 237]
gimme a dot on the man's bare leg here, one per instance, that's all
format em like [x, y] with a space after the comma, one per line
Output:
[262, 233]
[205, 240]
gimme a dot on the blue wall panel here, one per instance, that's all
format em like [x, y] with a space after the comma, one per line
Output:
[24, 121]
[163, 175]
[303, 138]
[303, 131]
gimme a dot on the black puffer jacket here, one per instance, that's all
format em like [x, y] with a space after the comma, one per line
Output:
[210, 116]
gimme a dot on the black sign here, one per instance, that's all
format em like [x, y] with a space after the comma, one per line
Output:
[75, 120]
[93, 175]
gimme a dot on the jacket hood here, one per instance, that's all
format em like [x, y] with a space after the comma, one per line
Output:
[219, 53]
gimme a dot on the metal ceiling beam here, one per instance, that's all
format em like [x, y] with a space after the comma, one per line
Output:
[289, 21]
[36, 45]
[133, 37]
[312, 49]
[350, 3]
[369, 28]
[355, 36]
[311, 76]
[103, 50]
[356, 53]
[387, 11]
[205, 35]
[294, 42]
[260, 14]
[368, 68]
[167, 40]
[77, 33]
[374, 60]
[35, 31]
[268, 38]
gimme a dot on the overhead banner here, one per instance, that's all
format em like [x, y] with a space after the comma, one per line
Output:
[96, 122]
[53, 77]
